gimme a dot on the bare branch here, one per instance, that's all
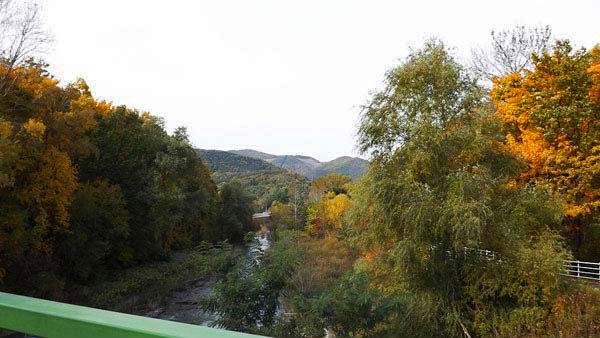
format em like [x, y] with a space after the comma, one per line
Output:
[511, 51]
[22, 37]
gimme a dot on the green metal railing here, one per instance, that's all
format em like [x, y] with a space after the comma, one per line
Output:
[58, 320]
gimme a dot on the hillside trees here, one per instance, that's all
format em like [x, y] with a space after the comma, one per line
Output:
[86, 187]
[440, 190]
[167, 188]
[264, 181]
[336, 183]
[38, 174]
[282, 215]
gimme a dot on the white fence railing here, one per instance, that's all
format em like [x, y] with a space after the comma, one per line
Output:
[575, 269]
[582, 270]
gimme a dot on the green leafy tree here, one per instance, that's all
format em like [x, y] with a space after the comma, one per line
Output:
[349, 309]
[281, 195]
[282, 215]
[99, 229]
[128, 146]
[440, 191]
[248, 299]
[236, 216]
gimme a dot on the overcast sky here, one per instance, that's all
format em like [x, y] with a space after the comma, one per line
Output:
[285, 77]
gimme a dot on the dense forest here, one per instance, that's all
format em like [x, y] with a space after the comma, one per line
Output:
[85, 186]
[483, 179]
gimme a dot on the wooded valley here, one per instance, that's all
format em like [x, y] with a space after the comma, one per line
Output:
[482, 180]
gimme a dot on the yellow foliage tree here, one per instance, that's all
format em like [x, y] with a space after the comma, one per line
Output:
[334, 209]
[327, 214]
[42, 128]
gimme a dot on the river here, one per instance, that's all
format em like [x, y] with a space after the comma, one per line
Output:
[182, 306]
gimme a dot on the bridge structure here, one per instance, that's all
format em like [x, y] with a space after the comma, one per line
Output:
[262, 215]
[45, 318]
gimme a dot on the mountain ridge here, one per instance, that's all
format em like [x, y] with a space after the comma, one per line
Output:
[308, 166]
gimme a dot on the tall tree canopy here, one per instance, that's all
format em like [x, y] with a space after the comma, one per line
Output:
[439, 193]
[236, 218]
[552, 121]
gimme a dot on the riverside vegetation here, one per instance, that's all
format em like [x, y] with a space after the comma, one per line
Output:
[99, 203]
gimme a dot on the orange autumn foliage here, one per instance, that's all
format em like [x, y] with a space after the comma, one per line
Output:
[551, 117]
[594, 72]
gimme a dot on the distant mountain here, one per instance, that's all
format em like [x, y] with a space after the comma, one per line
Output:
[259, 177]
[223, 161]
[353, 167]
[302, 165]
[309, 167]
[253, 153]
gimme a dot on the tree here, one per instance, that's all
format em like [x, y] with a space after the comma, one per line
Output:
[440, 191]
[511, 51]
[99, 228]
[85, 186]
[281, 195]
[22, 36]
[350, 309]
[336, 183]
[129, 144]
[39, 180]
[325, 215]
[188, 193]
[248, 298]
[551, 117]
[282, 215]
[236, 216]
[416, 99]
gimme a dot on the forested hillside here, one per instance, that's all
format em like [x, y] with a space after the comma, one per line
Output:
[253, 153]
[223, 161]
[261, 179]
[309, 167]
[352, 167]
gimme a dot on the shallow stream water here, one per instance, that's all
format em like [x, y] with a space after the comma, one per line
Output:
[182, 306]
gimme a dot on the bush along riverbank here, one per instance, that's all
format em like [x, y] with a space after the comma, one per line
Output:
[249, 297]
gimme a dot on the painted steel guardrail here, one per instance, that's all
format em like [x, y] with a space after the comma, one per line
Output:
[582, 270]
[58, 320]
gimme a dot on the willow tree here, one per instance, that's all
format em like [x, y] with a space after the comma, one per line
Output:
[438, 217]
